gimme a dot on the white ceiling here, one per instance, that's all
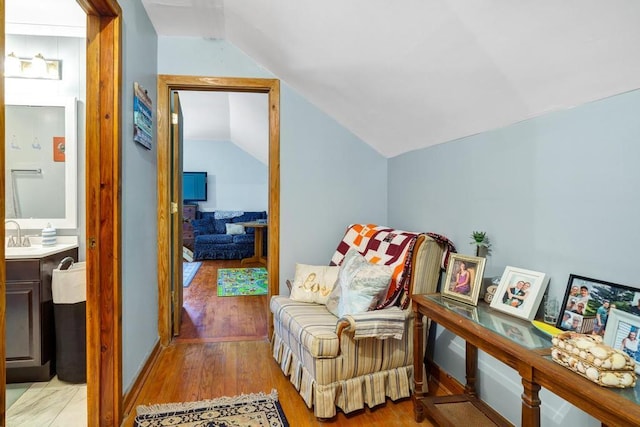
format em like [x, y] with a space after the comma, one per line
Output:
[408, 74]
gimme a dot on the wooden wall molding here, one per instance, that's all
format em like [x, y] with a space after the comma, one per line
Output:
[166, 84]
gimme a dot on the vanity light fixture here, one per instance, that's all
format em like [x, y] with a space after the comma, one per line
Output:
[37, 67]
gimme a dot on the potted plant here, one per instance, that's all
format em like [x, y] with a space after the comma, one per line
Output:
[481, 240]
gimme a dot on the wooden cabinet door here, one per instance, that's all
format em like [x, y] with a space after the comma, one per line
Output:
[23, 324]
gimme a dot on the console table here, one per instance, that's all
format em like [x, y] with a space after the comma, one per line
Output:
[258, 255]
[520, 346]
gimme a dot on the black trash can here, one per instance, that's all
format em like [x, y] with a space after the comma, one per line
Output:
[68, 285]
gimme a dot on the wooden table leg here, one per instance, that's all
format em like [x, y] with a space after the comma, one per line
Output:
[471, 366]
[418, 361]
[530, 404]
[257, 248]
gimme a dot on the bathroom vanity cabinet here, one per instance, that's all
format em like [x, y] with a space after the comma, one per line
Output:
[30, 331]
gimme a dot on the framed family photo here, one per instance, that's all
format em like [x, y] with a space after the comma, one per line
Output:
[587, 303]
[464, 278]
[520, 292]
[622, 334]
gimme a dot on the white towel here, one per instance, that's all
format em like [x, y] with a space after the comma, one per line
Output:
[386, 323]
[227, 214]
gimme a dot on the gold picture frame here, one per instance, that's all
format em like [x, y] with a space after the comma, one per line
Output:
[464, 278]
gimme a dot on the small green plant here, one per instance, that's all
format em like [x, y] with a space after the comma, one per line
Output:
[481, 240]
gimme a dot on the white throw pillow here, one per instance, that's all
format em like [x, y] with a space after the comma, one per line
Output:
[235, 228]
[313, 283]
[362, 285]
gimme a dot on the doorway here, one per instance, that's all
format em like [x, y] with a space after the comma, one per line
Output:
[166, 238]
[103, 146]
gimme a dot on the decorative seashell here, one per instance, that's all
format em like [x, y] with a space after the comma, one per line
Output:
[568, 347]
[584, 343]
[593, 374]
[580, 367]
[617, 361]
[609, 378]
[606, 364]
[626, 379]
[599, 351]
[576, 351]
[555, 341]
[597, 362]
[583, 354]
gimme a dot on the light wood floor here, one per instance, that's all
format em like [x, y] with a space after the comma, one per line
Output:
[223, 351]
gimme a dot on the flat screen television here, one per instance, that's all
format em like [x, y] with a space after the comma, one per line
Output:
[194, 186]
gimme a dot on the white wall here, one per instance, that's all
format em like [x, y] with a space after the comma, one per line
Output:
[235, 180]
[556, 194]
[328, 177]
[139, 201]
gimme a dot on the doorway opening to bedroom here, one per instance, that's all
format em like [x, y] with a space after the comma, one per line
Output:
[228, 204]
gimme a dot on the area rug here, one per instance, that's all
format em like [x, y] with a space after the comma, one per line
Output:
[247, 410]
[189, 270]
[242, 281]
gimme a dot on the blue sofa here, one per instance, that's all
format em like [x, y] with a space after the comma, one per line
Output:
[212, 240]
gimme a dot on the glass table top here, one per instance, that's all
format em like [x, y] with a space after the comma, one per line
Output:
[517, 330]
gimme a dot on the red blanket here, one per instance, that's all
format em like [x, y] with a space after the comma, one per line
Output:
[386, 246]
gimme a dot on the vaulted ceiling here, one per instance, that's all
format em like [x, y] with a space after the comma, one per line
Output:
[404, 75]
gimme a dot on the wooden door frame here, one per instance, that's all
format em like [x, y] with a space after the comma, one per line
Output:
[166, 84]
[103, 183]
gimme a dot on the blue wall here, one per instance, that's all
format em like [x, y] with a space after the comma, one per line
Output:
[139, 201]
[329, 178]
[557, 194]
[235, 179]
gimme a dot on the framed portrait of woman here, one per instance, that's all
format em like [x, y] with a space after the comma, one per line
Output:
[520, 292]
[464, 278]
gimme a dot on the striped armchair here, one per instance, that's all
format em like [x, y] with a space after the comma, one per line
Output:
[343, 362]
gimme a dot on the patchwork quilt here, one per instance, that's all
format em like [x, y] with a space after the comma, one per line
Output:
[386, 246]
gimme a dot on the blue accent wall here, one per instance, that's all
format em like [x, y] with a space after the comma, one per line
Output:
[139, 201]
[236, 180]
[557, 194]
[328, 176]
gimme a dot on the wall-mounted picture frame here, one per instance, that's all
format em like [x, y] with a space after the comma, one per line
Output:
[464, 278]
[587, 303]
[622, 333]
[520, 292]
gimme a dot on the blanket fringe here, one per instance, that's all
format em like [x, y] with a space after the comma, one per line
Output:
[161, 408]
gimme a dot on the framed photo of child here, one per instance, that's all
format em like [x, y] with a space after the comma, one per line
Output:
[520, 292]
[464, 278]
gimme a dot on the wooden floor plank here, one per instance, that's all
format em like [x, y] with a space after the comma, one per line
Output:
[223, 351]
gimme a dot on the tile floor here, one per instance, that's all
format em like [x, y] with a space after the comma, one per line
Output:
[50, 404]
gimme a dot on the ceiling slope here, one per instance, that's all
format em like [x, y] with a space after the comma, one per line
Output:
[407, 75]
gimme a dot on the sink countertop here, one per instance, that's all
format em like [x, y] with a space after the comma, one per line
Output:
[36, 250]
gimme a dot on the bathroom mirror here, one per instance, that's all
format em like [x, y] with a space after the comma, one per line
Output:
[41, 162]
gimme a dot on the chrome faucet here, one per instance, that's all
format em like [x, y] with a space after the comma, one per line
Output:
[12, 242]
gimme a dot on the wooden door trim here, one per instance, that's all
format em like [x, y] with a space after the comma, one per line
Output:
[103, 212]
[103, 218]
[167, 83]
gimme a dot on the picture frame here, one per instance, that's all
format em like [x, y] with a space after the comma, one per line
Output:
[520, 292]
[622, 333]
[587, 303]
[460, 286]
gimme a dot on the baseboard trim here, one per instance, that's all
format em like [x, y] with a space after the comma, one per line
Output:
[129, 399]
[444, 379]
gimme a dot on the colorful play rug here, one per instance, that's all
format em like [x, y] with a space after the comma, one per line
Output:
[189, 270]
[247, 410]
[242, 281]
